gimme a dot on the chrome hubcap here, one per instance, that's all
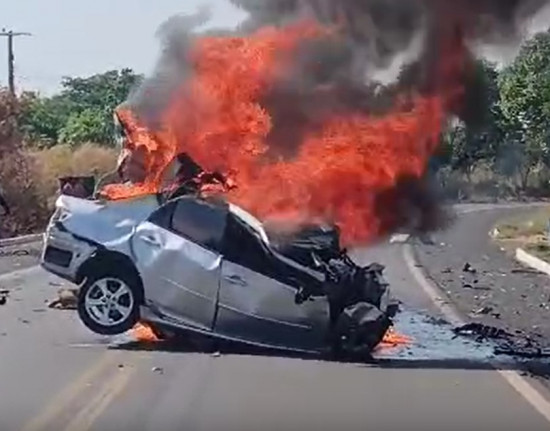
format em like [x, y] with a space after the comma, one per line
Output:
[109, 301]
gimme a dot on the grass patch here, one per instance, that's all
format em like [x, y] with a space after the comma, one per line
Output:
[540, 250]
[527, 231]
[526, 225]
[62, 160]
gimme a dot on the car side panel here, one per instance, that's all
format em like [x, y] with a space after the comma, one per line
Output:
[263, 310]
[180, 277]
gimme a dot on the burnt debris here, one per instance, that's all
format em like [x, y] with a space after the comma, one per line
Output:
[482, 332]
[4, 294]
[516, 345]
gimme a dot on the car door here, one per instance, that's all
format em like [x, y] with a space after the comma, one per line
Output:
[254, 305]
[177, 256]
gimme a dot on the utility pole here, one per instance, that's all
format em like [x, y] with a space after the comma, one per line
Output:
[11, 56]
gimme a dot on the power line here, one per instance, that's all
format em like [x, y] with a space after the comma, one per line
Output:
[10, 35]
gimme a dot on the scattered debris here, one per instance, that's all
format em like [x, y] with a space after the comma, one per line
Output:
[4, 294]
[39, 310]
[484, 310]
[523, 352]
[24, 321]
[120, 365]
[481, 332]
[399, 238]
[216, 354]
[447, 271]
[469, 268]
[67, 300]
[158, 370]
[436, 320]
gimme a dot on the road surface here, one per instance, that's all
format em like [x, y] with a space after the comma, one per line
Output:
[516, 299]
[55, 375]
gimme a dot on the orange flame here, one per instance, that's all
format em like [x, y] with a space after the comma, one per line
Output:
[340, 169]
[142, 332]
[393, 339]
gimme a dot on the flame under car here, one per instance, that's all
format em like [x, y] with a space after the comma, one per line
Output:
[209, 267]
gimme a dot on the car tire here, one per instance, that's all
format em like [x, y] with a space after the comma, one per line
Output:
[109, 302]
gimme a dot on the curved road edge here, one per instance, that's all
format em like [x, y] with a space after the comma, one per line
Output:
[532, 391]
[532, 261]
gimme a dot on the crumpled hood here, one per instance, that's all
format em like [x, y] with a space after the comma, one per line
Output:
[103, 222]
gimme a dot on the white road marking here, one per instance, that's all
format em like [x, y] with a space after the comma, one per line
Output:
[514, 379]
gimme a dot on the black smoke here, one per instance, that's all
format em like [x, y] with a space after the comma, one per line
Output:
[384, 48]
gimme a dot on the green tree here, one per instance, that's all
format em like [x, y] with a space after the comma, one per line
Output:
[525, 104]
[474, 135]
[81, 112]
[42, 118]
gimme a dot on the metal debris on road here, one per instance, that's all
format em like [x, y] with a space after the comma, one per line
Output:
[66, 300]
[469, 268]
[481, 332]
[523, 352]
[484, 310]
[399, 238]
[4, 294]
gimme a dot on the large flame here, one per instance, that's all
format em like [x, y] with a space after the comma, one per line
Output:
[341, 168]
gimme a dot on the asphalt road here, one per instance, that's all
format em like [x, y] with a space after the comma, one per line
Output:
[499, 292]
[55, 375]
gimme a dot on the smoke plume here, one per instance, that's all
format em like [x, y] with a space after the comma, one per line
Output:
[385, 49]
[382, 37]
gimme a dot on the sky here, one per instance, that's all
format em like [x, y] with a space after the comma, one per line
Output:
[84, 37]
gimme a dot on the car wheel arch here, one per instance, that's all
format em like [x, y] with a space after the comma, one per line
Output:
[106, 258]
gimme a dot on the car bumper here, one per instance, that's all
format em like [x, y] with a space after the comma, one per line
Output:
[63, 254]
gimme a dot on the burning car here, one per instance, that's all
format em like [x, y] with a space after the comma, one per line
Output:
[207, 266]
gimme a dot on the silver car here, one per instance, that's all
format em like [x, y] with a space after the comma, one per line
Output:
[209, 267]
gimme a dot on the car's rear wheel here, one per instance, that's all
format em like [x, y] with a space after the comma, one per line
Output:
[108, 303]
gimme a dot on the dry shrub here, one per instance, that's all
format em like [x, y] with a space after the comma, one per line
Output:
[28, 212]
[28, 179]
[63, 160]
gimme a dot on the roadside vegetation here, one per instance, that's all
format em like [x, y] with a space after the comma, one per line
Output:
[529, 231]
[499, 147]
